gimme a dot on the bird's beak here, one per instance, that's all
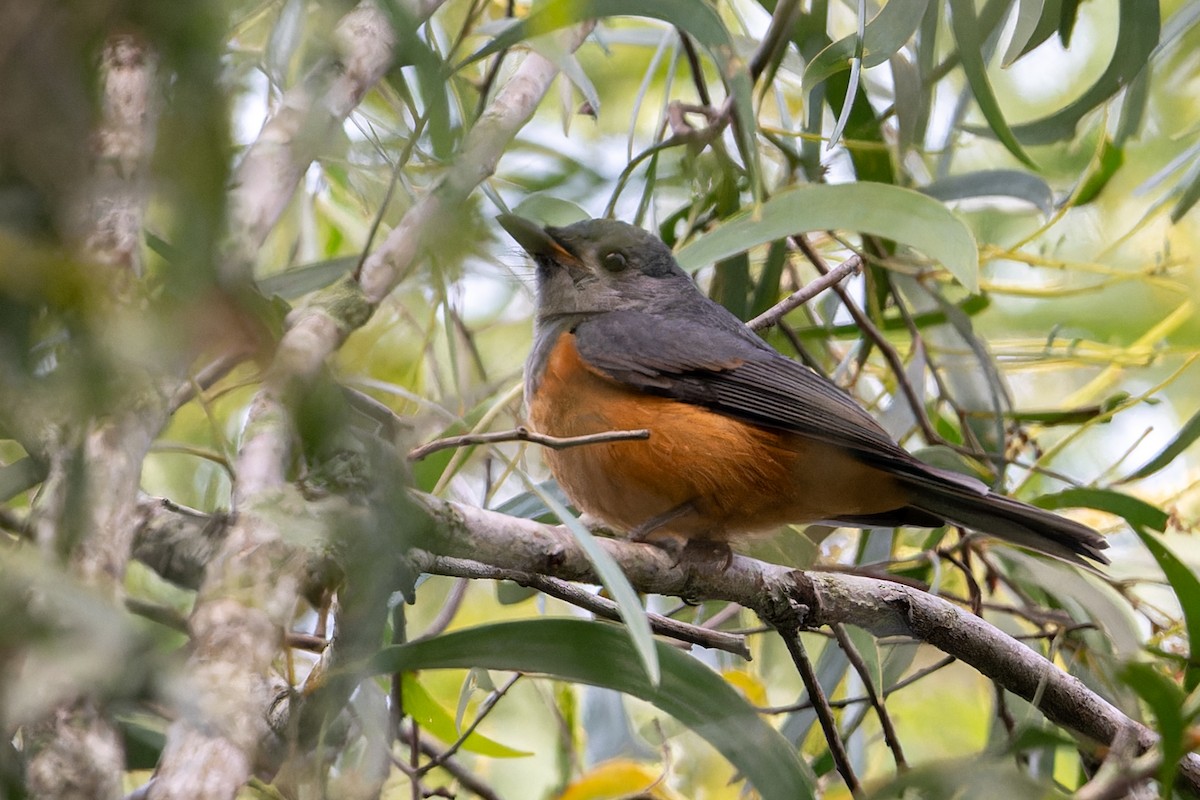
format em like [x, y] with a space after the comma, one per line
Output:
[536, 240]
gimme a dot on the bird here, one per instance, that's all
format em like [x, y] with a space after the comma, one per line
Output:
[742, 439]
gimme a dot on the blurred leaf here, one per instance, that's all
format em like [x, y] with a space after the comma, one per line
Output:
[890, 212]
[1182, 441]
[1165, 701]
[751, 687]
[699, 20]
[287, 35]
[1138, 513]
[1136, 39]
[634, 615]
[1029, 14]
[601, 655]
[550, 210]
[619, 779]
[1099, 172]
[143, 738]
[994, 183]
[299, 281]
[1187, 590]
[1189, 195]
[19, 476]
[970, 51]
[509, 593]
[436, 720]
[891, 28]
[964, 778]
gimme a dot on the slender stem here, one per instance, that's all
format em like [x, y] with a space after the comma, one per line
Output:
[791, 639]
[885, 719]
[808, 291]
[525, 435]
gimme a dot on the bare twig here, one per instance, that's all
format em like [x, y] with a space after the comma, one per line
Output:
[523, 434]
[772, 315]
[876, 336]
[941, 663]
[837, 749]
[600, 606]
[873, 694]
[465, 777]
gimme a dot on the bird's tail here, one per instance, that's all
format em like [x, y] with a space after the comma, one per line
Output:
[1010, 519]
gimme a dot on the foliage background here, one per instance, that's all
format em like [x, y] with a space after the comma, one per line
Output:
[1087, 263]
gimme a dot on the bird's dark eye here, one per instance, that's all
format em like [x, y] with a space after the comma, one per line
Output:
[613, 261]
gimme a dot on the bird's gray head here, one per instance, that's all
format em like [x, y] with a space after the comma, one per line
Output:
[599, 265]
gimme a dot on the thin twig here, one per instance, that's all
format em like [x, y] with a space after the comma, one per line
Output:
[485, 708]
[600, 606]
[523, 434]
[808, 291]
[924, 672]
[791, 639]
[868, 329]
[466, 778]
[449, 609]
[885, 719]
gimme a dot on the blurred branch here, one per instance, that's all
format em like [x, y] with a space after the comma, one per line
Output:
[267, 176]
[252, 585]
[86, 506]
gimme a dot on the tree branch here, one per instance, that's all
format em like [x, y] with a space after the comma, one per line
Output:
[512, 545]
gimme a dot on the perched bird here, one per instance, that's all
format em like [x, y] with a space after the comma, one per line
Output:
[742, 438]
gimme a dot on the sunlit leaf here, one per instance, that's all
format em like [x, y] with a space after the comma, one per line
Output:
[1138, 513]
[438, 721]
[890, 212]
[602, 655]
[628, 606]
[884, 35]
[1029, 14]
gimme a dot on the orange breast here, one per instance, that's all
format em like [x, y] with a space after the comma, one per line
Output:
[735, 477]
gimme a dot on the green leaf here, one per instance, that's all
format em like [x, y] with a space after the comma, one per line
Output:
[610, 574]
[1029, 14]
[1187, 590]
[1138, 513]
[891, 212]
[1100, 171]
[600, 654]
[19, 476]
[891, 28]
[299, 281]
[994, 183]
[699, 20]
[419, 704]
[1182, 441]
[1189, 195]
[1136, 39]
[1165, 701]
[970, 51]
